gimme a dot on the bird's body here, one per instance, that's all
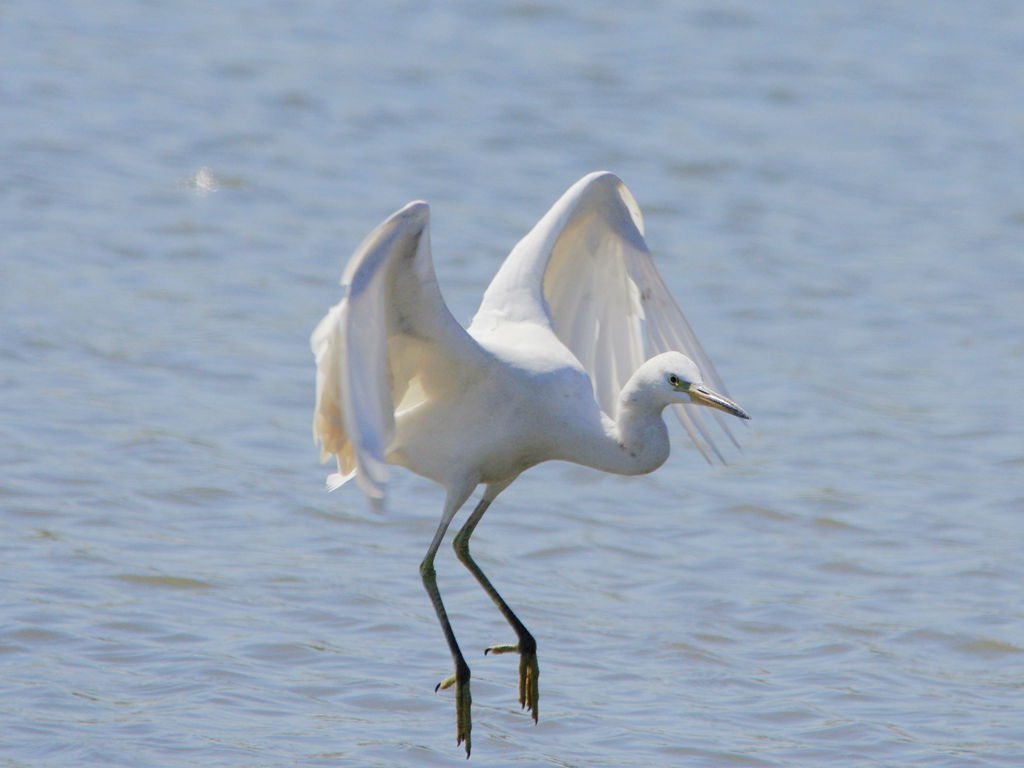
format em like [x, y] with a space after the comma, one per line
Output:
[554, 366]
[534, 408]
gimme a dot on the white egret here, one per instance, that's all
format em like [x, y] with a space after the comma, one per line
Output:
[574, 353]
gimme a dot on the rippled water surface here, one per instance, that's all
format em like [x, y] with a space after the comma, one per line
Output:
[832, 190]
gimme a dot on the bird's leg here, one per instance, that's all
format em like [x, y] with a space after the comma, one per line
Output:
[460, 679]
[529, 671]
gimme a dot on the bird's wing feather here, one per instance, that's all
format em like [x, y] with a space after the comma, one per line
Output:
[391, 342]
[586, 272]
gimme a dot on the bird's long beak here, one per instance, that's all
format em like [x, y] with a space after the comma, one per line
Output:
[704, 396]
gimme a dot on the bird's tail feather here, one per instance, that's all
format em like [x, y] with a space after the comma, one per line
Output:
[335, 480]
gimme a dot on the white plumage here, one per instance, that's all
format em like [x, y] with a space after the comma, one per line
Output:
[575, 351]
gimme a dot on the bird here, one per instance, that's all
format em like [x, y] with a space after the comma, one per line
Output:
[576, 350]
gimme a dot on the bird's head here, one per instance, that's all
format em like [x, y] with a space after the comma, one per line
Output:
[672, 378]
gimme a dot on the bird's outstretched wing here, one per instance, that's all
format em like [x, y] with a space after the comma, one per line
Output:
[586, 271]
[390, 344]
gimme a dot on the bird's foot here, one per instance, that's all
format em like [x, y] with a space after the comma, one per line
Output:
[463, 705]
[529, 672]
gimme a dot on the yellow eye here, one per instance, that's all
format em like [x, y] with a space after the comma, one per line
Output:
[674, 380]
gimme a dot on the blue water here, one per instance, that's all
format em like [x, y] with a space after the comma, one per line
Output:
[833, 193]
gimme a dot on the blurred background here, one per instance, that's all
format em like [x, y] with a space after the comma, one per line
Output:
[832, 192]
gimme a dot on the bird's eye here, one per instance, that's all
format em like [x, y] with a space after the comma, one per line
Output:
[674, 380]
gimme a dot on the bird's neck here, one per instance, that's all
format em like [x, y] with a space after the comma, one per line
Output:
[635, 443]
[642, 434]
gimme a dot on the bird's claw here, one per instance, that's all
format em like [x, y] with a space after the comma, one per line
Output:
[529, 673]
[496, 649]
[445, 684]
[463, 707]
[529, 691]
